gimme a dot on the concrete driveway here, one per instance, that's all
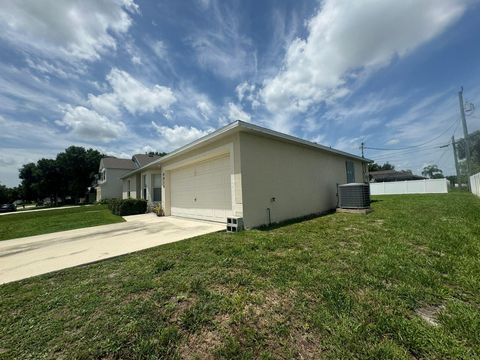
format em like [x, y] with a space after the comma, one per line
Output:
[29, 256]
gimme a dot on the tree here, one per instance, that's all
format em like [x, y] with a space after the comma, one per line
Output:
[49, 179]
[474, 143]
[69, 174]
[9, 195]
[78, 168]
[29, 185]
[161, 154]
[432, 172]
[4, 196]
[376, 167]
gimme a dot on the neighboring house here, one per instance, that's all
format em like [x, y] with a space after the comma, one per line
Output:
[109, 184]
[247, 171]
[393, 175]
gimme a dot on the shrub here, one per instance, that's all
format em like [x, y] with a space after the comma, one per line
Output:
[104, 201]
[127, 206]
[158, 210]
[112, 205]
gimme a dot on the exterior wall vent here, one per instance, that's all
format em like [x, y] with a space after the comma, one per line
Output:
[354, 196]
[234, 224]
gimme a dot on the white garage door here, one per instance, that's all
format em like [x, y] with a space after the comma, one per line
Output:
[203, 190]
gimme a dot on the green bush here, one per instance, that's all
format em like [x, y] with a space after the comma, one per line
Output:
[112, 204]
[127, 206]
[104, 201]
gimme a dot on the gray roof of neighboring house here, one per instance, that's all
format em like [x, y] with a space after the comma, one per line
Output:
[144, 159]
[393, 175]
[116, 163]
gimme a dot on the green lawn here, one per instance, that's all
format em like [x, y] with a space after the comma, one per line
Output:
[42, 222]
[337, 286]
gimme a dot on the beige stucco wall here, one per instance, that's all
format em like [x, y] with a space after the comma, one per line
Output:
[137, 183]
[302, 180]
[149, 181]
[229, 144]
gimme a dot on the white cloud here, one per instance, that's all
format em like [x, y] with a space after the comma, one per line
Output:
[244, 89]
[370, 123]
[223, 48]
[371, 104]
[235, 112]
[131, 94]
[319, 139]
[47, 67]
[176, 136]
[21, 90]
[194, 106]
[106, 104]
[205, 108]
[136, 60]
[159, 48]
[67, 29]
[136, 97]
[348, 39]
[247, 92]
[89, 124]
[204, 4]
[349, 144]
[393, 141]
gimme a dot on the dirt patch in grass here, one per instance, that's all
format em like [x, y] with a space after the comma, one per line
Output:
[430, 313]
[180, 304]
[200, 345]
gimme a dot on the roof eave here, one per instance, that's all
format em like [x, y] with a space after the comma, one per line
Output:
[186, 147]
[247, 126]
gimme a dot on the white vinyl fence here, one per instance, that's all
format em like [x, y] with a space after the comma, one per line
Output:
[475, 184]
[427, 186]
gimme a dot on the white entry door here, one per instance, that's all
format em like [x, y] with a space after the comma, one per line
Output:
[202, 190]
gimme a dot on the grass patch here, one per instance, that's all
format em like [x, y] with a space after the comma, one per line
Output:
[337, 286]
[17, 225]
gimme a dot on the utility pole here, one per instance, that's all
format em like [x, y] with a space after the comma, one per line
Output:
[362, 147]
[465, 135]
[456, 160]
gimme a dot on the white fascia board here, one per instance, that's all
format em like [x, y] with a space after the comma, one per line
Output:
[241, 125]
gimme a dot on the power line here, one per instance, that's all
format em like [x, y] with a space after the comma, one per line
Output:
[407, 152]
[441, 156]
[413, 146]
[398, 156]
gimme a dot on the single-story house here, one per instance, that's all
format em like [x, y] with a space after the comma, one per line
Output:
[244, 170]
[109, 184]
[393, 175]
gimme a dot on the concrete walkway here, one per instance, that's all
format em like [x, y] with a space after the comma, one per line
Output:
[30, 256]
[20, 211]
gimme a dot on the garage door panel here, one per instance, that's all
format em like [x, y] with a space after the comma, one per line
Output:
[203, 190]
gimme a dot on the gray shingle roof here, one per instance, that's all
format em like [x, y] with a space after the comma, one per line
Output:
[144, 159]
[393, 175]
[116, 163]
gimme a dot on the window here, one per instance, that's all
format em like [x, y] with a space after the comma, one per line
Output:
[144, 187]
[157, 187]
[128, 189]
[350, 167]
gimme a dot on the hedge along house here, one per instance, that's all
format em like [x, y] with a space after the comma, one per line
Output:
[248, 171]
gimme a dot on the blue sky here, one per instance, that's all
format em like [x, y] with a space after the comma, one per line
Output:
[131, 76]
